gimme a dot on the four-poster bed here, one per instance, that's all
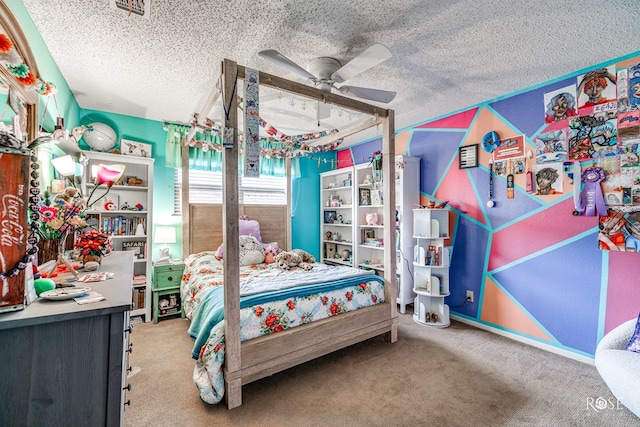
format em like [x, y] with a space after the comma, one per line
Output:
[205, 226]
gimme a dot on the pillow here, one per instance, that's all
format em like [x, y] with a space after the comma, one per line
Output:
[270, 252]
[246, 227]
[634, 342]
[251, 251]
[249, 227]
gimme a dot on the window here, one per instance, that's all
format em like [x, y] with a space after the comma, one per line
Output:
[206, 187]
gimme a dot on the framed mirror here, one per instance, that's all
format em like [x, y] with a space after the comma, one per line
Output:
[18, 126]
[14, 95]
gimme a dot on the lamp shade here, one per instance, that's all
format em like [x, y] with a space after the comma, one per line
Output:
[64, 165]
[109, 174]
[164, 234]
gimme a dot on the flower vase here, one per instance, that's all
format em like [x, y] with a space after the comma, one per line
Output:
[47, 250]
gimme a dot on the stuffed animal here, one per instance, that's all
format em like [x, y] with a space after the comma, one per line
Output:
[371, 218]
[67, 195]
[295, 258]
[270, 252]
[251, 251]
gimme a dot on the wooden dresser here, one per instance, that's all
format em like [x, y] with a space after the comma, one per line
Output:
[65, 364]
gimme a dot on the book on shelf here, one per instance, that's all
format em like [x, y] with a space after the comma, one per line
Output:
[139, 248]
[121, 225]
[137, 298]
[139, 279]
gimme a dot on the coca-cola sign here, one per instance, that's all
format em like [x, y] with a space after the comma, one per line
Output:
[14, 197]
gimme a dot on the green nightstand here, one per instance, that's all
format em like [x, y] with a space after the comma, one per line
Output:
[166, 290]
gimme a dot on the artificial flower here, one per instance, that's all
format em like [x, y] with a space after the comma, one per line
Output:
[56, 220]
[93, 243]
[27, 80]
[19, 70]
[5, 43]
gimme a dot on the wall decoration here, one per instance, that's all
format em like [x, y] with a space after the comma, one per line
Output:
[629, 125]
[551, 147]
[620, 231]
[490, 141]
[560, 104]
[468, 156]
[251, 124]
[593, 136]
[509, 148]
[597, 91]
[548, 179]
[634, 86]
[518, 165]
[134, 148]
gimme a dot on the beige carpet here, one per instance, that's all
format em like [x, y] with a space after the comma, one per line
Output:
[458, 376]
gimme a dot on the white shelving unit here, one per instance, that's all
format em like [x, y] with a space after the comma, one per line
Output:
[336, 216]
[431, 260]
[407, 199]
[369, 204]
[348, 195]
[117, 215]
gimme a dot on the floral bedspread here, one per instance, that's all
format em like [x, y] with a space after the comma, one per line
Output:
[262, 314]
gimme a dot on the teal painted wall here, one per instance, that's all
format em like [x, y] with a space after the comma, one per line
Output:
[305, 203]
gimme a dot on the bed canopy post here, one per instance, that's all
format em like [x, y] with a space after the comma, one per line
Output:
[186, 206]
[388, 171]
[233, 391]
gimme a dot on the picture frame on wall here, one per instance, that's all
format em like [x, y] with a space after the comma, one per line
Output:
[135, 148]
[468, 156]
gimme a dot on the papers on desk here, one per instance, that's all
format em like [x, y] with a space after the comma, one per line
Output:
[89, 297]
[95, 277]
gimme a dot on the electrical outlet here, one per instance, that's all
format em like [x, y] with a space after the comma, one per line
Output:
[469, 296]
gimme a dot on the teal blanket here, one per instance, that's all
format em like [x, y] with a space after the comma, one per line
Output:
[211, 308]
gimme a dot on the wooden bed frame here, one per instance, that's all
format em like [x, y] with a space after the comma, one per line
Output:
[205, 226]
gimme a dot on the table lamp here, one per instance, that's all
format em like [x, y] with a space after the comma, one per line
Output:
[164, 235]
[105, 174]
[67, 167]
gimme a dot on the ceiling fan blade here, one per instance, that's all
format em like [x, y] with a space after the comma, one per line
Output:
[371, 57]
[376, 95]
[281, 60]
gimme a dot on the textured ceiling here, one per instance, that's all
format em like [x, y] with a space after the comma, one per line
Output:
[447, 54]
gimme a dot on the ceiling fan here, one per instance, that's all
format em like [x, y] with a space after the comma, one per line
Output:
[324, 72]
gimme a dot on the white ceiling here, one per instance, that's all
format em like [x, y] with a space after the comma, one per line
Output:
[447, 54]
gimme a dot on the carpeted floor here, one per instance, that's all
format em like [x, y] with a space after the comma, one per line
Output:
[458, 376]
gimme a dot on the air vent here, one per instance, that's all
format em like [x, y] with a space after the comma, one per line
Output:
[136, 7]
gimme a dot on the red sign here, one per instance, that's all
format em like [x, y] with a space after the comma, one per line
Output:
[14, 199]
[509, 148]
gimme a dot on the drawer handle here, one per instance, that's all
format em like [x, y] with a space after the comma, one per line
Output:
[170, 278]
[129, 329]
[130, 349]
[128, 402]
[128, 387]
